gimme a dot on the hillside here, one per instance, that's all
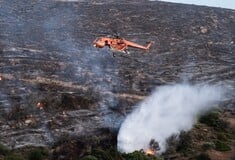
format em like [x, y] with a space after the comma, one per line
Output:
[55, 84]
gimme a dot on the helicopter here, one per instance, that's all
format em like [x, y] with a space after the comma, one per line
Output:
[117, 43]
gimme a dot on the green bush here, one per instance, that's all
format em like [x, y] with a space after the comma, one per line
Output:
[212, 119]
[101, 154]
[38, 154]
[3, 150]
[208, 145]
[185, 143]
[222, 146]
[111, 154]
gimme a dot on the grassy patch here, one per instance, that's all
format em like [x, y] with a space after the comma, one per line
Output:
[222, 146]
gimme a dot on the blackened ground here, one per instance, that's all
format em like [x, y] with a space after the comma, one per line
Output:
[55, 84]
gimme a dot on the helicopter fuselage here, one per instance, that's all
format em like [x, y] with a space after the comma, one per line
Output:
[118, 44]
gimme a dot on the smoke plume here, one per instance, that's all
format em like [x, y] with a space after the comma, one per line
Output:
[169, 110]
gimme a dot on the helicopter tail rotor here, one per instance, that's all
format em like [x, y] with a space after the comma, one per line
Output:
[149, 45]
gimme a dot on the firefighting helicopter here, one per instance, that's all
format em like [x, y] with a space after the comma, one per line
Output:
[116, 43]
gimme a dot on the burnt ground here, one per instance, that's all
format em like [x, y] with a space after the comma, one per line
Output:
[47, 60]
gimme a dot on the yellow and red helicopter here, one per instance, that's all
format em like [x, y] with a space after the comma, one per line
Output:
[118, 44]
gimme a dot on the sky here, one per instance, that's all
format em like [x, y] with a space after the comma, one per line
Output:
[230, 4]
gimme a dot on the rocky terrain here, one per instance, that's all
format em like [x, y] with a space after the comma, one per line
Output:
[54, 84]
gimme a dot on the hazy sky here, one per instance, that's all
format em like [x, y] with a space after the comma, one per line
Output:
[215, 3]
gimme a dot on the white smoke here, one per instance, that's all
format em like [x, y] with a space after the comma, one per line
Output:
[169, 110]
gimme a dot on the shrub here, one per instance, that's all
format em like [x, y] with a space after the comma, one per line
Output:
[185, 143]
[222, 137]
[14, 157]
[208, 145]
[212, 119]
[221, 146]
[113, 154]
[3, 150]
[38, 154]
[89, 157]
[101, 154]
[203, 156]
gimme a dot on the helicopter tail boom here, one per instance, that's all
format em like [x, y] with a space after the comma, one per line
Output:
[135, 45]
